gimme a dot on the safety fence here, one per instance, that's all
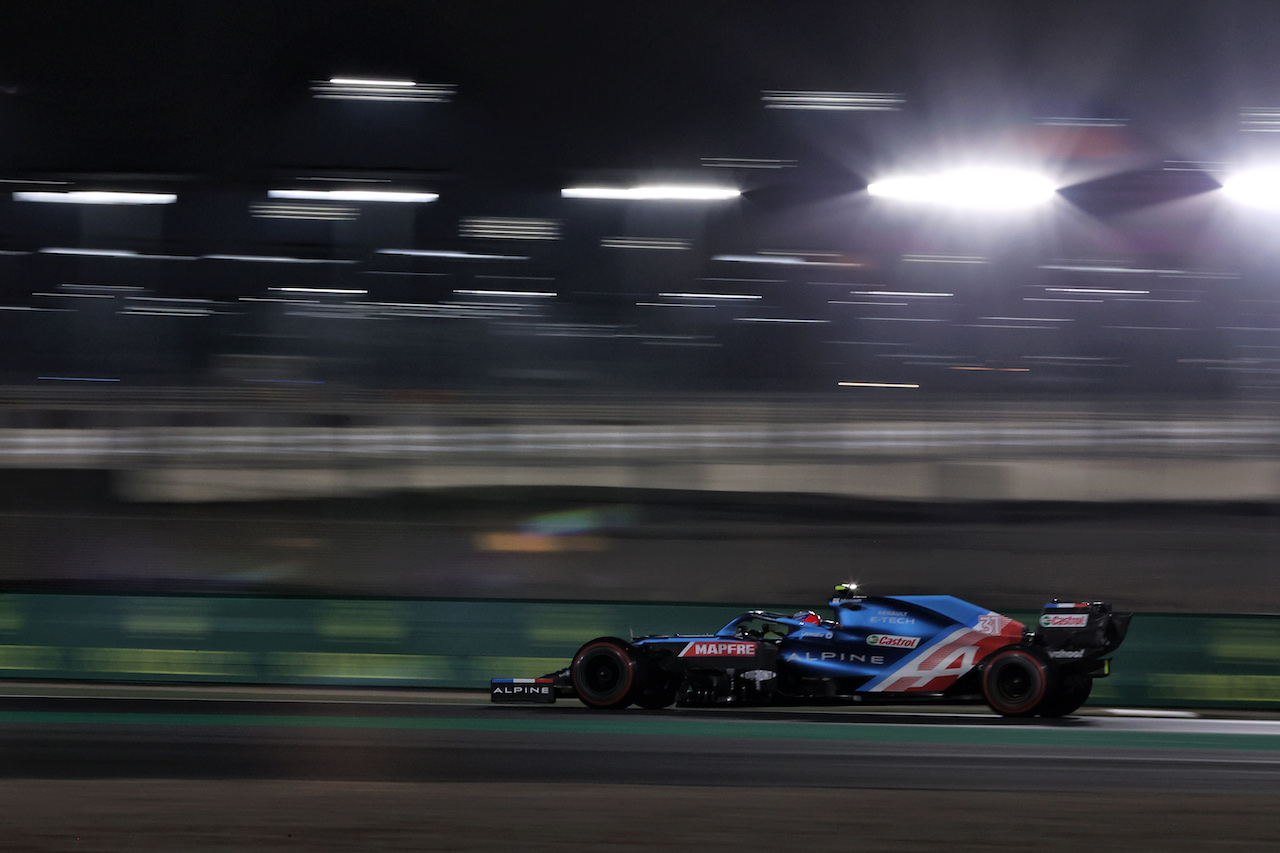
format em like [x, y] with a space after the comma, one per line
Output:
[1168, 660]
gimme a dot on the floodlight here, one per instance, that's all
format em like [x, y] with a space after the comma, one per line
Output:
[866, 101]
[276, 259]
[85, 197]
[355, 195]
[371, 89]
[665, 243]
[509, 228]
[452, 255]
[654, 193]
[1258, 187]
[974, 188]
[539, 294]
[113, 253]
[362, 81]
[329, 290]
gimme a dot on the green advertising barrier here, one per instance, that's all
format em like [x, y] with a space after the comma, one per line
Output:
[253, 640]
[1196, 661]
[1167, 660]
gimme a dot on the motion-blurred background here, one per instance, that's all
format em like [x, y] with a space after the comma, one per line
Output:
[682, 302]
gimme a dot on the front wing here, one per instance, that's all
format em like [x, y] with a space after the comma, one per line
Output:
[523, 690]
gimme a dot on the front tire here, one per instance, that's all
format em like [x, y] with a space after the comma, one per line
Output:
[657, 696]
[607, 674]
[1015, 681]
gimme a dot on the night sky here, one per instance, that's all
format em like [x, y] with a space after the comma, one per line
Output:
[213, 101]
[553, 87]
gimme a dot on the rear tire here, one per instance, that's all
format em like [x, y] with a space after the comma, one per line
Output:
[1016, 680]
[1072, 692]
[607, 674]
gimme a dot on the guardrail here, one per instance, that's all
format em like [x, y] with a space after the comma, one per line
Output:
[200, 445]
[93, 405]
[133, 447]
[1168, 660]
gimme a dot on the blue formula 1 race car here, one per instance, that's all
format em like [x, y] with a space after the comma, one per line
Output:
[885, 648]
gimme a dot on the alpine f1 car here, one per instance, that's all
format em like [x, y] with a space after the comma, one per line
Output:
[886, 648]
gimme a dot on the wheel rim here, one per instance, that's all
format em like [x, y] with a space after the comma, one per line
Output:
[1014, 682]
[602, 673]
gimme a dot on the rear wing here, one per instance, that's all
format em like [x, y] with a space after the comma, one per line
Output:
[1082, 630]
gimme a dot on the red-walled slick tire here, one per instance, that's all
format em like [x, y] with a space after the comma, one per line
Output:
[1015, 681]
[1071, 692]
[607, 674]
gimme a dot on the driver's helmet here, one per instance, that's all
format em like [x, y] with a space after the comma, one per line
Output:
[808, 617]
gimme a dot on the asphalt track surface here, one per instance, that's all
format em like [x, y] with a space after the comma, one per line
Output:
[411, 741]
[211, 770]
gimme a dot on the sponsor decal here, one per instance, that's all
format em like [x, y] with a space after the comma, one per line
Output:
[847, 657]
[809, 635]
[891, 620]
[938, 667]
[890, 641]
[1066, 654]
[1064, 620]
[718, 649]
[758, 675]
[993, 623]
[522, 690]
[936, 664]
